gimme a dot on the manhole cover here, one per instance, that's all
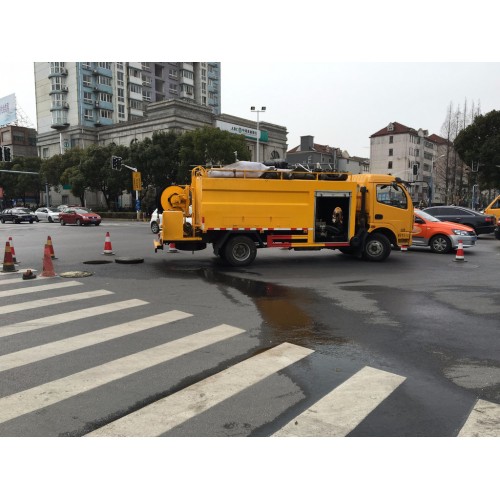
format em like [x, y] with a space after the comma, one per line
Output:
[129, 260]
[98, 262]
[75, 274]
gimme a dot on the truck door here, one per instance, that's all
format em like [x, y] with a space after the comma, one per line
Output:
[391, 208]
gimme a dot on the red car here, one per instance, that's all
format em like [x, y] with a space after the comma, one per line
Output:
[80, 216]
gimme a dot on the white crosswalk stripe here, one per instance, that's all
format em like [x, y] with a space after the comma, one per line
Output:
[25, 356]
[39, 288]
[163, 415]
[340, 411]
[54, 300]
[49, 393]
[483, 421]
[58, 319]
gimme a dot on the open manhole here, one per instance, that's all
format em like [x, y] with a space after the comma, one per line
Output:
[75, 274]
[98, 262]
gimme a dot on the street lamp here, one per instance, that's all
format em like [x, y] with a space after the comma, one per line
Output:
[431, 198]
[261, 110]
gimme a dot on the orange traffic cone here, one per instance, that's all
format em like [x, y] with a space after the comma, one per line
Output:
[13, 251]
[404, 248]
[48, 267]
[108, 250]
[51, 248]
[459, 257]
[8, 262]
[171, 248]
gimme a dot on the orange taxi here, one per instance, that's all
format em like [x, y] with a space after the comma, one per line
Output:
[440, 236]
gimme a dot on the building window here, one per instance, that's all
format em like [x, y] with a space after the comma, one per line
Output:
[391, 139]
[86, 65]
[121, 95]
[135, 73]
[119, 78]
[389, 165]
[105, 65]
[87, 97]
[173, 88]
[105, 113]
[417, 152]
[104, 80]
[88, 114]
[45, 152]
[87, 80]
[390, 152]
[135, 104]
[145, 66]
[137, 89]
[121, 111]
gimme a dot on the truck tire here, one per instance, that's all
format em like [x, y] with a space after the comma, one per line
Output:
[377, 248]
[240, 251]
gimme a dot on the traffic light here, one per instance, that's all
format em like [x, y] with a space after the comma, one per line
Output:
[116, 163]
[415, 169]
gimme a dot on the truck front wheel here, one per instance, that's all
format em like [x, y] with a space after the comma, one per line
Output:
[377, 248]
[240, 251]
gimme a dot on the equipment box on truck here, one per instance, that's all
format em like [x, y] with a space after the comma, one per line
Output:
[239, 210]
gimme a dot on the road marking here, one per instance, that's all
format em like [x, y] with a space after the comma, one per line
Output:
[33, 354]
[57, 319]
[39, 288]
[53, 392]
[341, 410]
[165, 414]
[52, 300]
[483, 421]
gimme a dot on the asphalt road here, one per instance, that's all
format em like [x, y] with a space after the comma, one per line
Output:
[299, 343]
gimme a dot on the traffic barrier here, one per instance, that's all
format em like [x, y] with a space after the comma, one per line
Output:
[460, 257]
[51, 247]
[48, 267]
[171, 248]
[108, 249]
[13, 251]
[8, 262]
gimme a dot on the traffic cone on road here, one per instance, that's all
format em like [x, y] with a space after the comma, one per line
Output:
[48, 267]
[51, 247]
[171, 248]
[459, 257]
[8, 262]
[108, 250]
[404, 248]
[13, 251]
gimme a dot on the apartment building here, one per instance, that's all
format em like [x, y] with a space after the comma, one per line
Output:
[74, 96]
[406, 153]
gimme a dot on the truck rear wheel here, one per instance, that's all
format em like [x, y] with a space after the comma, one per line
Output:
[377, 248]
[240, 251]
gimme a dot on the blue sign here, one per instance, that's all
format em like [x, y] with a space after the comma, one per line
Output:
[137, 205]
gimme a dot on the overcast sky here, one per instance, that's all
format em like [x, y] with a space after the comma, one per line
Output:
[321, 71]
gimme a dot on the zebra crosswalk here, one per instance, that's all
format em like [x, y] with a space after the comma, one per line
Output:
[337, 413]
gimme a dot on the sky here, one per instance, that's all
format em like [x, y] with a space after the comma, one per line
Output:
[336, 73]
[339, 103]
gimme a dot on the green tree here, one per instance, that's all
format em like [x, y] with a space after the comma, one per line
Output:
[479, 146]
[209, 146]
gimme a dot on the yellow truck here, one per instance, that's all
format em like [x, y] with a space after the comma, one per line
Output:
[493, 208]
[239, 209]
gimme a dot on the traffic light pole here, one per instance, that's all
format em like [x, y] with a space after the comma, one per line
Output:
[116, 164]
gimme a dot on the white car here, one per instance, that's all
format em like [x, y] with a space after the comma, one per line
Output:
[156, 221]
[47, 214]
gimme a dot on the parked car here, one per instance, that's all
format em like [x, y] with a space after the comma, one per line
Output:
[493, 208]
[80, 216]
[497, 230]
[155, 222]
[481, 223]
[440, 236]
[47, 214]
[18, 215]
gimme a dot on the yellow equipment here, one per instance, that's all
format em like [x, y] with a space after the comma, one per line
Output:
[238, 211]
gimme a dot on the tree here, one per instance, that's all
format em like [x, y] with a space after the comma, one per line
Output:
[479, 146]
[209, 146]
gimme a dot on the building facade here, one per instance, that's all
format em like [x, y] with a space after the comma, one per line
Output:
[21, 141]
[95, 94]
[315, 155]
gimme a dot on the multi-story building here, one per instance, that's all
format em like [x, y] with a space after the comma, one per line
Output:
[406, 153]
[314, 155]
[74, 96]
[21, 141]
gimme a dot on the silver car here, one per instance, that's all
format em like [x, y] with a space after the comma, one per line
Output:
[47, 214]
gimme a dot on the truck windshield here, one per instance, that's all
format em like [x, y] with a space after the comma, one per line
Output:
[391, 194]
